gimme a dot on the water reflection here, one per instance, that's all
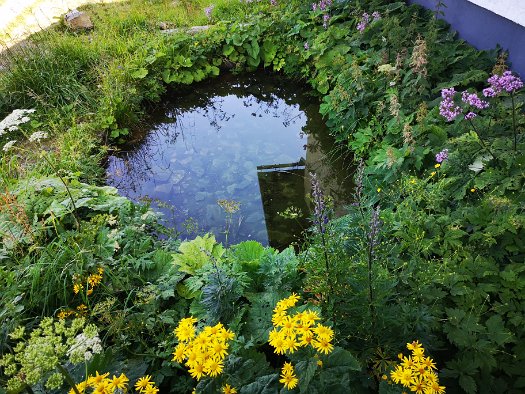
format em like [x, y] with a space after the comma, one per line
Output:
[250, 139]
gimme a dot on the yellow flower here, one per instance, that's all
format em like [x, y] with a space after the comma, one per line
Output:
[414, 345]
[473, 190]
[437, 165]
[324, 332]
[143, 382]
[291, 344]
[120, 382]
[97, 379]
[323, 345]
[77, 288]
[433, 173]
[197, 371]
[289, 381]
[379, 190]
[287, 369]
[219, 349]
[178, 354]
[227, 389]
[213, 367]
[417, 385]
[150, 389]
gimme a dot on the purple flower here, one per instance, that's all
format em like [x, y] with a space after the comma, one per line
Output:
[376, 15]
[473, 100]
[471, 115]
[361, 26]
[306, 46]
[208, 11]
[320, 208]
[447, 108]
[314, 6]
[489, 92]
[442, 156]
[499, 83]
[326, 18]
[273, 2]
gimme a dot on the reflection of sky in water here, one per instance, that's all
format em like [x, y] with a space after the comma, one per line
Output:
[204, 150]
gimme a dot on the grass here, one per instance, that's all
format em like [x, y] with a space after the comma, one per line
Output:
[73, 79]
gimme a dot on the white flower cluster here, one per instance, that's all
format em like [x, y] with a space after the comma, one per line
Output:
[86, 344]
[15, 119]
[8, 145]
[37, 136]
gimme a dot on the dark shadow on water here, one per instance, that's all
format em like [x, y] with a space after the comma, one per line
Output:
[252, 139]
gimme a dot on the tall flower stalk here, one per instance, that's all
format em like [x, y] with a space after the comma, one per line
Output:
[320, 219]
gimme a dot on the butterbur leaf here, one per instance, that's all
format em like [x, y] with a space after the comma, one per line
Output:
[139, 74]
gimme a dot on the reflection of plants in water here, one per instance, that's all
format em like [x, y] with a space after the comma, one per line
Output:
[291, 213]
[191, 226]
[230, 207]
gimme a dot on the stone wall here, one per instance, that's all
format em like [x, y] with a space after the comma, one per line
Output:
[487, 23]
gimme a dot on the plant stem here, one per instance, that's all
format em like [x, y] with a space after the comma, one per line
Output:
[514, 122]
[68, 378]
[481, 142]
[75, 213]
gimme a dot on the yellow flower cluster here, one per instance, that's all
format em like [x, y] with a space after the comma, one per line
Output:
[102, 384]
[292, 331]
[81, 311]
[204, 353]
[288, 377]
[417, 372]
[92, 281]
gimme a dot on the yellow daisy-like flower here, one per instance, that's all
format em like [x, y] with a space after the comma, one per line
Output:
[218, 349]
[143, 382]
[120, 382]
[97, 379]
[287, 369]
[227, 389]
[437, 165]
[289, 381]
[213, 367]
[179, 353]
[197, 371]
[324, 332]
[323, 345]
[150, 389]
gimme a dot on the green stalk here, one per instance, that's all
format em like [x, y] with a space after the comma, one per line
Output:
[68, 378]
[514, 122]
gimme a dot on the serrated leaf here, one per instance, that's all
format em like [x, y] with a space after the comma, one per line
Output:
[468, 384]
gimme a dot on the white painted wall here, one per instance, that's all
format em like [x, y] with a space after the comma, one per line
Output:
[513, 10]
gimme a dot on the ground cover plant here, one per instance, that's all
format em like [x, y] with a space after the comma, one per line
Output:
[429, 257]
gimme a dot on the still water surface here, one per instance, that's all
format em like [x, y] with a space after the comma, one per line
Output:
[251, 140]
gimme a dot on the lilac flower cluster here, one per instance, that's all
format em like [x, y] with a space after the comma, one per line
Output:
[273, 2]
[442, 156]
[320, 208]
[306, 46]
[365, 20]
[322, 5]
[473, 100]
[499, 83]
[447, 108]
[209, 10]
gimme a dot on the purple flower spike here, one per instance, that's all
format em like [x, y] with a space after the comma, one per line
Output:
[470, 116]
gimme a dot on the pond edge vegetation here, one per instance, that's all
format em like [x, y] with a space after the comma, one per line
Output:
[430, 253]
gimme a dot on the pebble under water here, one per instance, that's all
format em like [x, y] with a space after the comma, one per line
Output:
[232, 156]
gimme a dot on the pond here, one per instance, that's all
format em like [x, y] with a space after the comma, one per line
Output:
[233, 156]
